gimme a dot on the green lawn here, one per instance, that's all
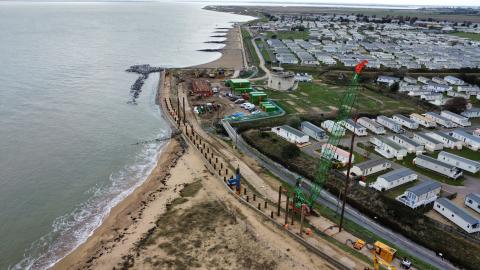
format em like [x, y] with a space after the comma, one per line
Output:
[317, 98]
[289, 34]
[407, 162]
[263, 49]
[472, 36]
[249, 47]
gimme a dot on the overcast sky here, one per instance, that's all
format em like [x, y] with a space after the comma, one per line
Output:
[360, 2]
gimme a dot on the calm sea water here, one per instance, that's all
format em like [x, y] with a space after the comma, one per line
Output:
[67, 135]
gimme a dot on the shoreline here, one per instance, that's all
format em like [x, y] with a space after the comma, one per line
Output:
[125, 217]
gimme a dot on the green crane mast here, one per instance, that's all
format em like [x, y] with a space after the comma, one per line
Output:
[326, 161]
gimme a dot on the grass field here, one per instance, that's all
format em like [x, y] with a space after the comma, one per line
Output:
[263, 49]
[322, 98]
[472, 36]
[289, 34]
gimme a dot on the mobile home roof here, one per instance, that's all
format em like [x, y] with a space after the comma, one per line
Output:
[396, 174]
[437, 162]
[459, 158]
[292, 130]
[424, 187]
[457, 210]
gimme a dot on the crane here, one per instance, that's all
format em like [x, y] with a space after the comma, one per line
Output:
[345, 108]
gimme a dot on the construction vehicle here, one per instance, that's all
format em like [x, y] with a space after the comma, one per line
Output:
[385, 252]
[326, 162]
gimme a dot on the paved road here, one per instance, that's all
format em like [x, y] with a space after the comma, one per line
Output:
[262, 61]
[330, 201]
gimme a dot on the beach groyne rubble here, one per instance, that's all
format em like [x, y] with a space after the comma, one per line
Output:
[144, 71]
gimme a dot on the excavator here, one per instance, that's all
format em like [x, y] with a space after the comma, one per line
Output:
[326, 162]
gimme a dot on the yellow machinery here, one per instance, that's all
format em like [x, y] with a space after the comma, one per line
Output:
[378, 261]
[359, 244]
[383, 251]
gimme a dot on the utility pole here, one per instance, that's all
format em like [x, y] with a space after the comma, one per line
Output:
[347, 179]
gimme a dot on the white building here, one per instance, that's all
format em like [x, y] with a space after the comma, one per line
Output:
[371, 125]
[447, 140]
[454, 80]
[423, 121]
[332, 152]
[290, 134]
[313, 131]
[472, 200]
[456, 118]
[457, 215]
[471, 141]
[405, 121]
[437, 166]
[393, 179]
[388, 148]
[445, 122]
[356, 128]
[407, 143]
[388, 80]
[429, 143]
[389, 123]
[333, 128]
[459, 162]
[282, 80]
[471, 113]
[421, 194]
[370, 167]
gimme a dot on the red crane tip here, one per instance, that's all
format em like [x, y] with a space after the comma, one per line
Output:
[360, 66]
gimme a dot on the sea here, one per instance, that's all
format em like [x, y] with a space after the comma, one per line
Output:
[71, 147]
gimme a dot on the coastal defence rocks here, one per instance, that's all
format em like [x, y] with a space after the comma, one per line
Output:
[144, 71]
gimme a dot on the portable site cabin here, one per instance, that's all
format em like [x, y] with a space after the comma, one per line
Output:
[371, 125]
[447, 140]
[389, 123]
[331, 127]
[256, 97]
[405, 121]
[459, 162]
[291, 134]
[430, 143]
[423, 121]
[421, 194]
[472, 200]
[370, 167]
[445, 122]
[457, 215]
[393, 179]
[456, 118]
[336, 153]
[437, 166]
[388, 148]
[471, 113]
[409, 144]
[356, 128]
[267, 106]
[313, 131]
[238, 83]
[471, 141]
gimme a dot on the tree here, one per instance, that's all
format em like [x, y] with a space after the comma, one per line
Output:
[456, 105]
[290, 151]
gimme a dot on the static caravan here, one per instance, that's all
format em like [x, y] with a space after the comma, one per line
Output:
[389, 123]
[437, 166]
[371, 125]
[290, 134]
[393, 179]
[471, 141]
[447, 140]
[356, 128]
[454, 80]
[405, 121]
[313, 131]
[459, 162]
[409, 144]
[335, 129]
[370, 167]
[430, 143]
[421, 194]
[471, 113]
[472, 200]
[445, 122]
[456, 118]
[388, 148]
[423, 121]
[336, 153]
[457, 215]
